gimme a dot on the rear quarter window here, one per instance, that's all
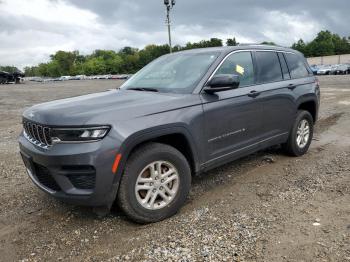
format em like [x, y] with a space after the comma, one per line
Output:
[284, 67]
[296, 65]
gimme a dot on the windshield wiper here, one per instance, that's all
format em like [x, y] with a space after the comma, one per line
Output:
[143, 89]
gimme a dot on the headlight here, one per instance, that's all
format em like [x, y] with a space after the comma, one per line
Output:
[87, 134]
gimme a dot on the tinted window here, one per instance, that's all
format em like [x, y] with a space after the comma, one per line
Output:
[268, 67]
[296, 66]
[284, 66]
[241, 64]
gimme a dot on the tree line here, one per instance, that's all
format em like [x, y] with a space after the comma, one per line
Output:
[9, 69]
[129, 60]
[100, 62]
[324, 44]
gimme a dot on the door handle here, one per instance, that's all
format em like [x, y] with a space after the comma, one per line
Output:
[291, 86]
[253, 93]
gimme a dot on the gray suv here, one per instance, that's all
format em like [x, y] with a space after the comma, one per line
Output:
[182, 114]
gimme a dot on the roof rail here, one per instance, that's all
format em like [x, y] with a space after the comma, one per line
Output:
[245, 44]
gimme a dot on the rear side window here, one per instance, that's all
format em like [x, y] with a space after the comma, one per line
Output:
[296, 66]
[284, 67]
[268, 67]
[240, 63]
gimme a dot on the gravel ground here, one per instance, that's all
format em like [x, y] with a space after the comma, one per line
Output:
[264, 207]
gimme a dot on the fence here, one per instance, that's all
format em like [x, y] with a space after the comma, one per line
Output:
[329, 60]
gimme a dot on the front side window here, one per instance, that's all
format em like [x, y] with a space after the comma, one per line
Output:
[175, 73]
[296, 66]
[240, 64]
[268, 67]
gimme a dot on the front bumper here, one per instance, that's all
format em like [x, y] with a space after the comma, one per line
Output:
[75, 173]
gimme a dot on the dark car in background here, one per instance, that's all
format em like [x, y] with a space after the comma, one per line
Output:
[4, 77]
[14, 77]
[182, 114]
[340, 69]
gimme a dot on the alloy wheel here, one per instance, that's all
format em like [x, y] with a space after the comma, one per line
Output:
[157, 185]
[303, 133]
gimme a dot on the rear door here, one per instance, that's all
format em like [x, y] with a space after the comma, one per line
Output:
[302, 82]
[233, 117]
[277, 96]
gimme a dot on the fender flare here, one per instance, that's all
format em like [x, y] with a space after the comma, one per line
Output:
[306, 99]
[145, 135]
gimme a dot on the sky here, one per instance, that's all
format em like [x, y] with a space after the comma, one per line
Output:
[32, 30]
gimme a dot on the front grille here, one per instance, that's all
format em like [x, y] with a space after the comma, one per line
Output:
[45, 178]
[37, 134]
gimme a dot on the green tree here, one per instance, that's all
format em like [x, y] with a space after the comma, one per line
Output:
[130, 60]
[94, 66]
[42, 69]
[151, 52]
[111, 60]
[268, 43]
[325, 43]
[341, 45]
[213, 42]
[231, 42]
[65, 60]
[9, 69]
[53, 69]
[302, 47]
[128, 50]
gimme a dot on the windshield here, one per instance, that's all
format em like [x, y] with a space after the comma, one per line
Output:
[175, 73]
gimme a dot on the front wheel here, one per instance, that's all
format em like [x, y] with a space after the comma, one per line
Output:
[155, 183]
[300, 135]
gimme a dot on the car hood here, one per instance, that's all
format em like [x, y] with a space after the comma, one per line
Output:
[101, 108]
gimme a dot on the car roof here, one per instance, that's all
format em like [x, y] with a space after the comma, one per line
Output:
[229, 49]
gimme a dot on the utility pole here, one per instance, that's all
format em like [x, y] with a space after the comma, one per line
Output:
[169, 4]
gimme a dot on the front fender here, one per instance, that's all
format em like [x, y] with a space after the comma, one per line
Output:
[152, 133]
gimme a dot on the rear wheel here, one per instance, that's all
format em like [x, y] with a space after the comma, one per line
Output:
[155, 183]
[300, 135]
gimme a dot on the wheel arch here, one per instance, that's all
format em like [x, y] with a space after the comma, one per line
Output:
[177, 136]
[309, 105]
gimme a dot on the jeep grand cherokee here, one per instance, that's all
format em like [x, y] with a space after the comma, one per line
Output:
[182, 114]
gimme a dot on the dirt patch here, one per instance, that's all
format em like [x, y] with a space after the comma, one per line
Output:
[347, 103]
[324, 123]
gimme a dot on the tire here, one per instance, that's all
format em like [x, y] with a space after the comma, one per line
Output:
[140, 162]
[292, 147]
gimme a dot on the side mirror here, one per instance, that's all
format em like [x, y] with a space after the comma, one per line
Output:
[222, 82]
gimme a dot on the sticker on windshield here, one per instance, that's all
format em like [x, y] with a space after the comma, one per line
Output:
[240, 69]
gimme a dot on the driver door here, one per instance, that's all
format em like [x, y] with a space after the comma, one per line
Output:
[233, 118]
